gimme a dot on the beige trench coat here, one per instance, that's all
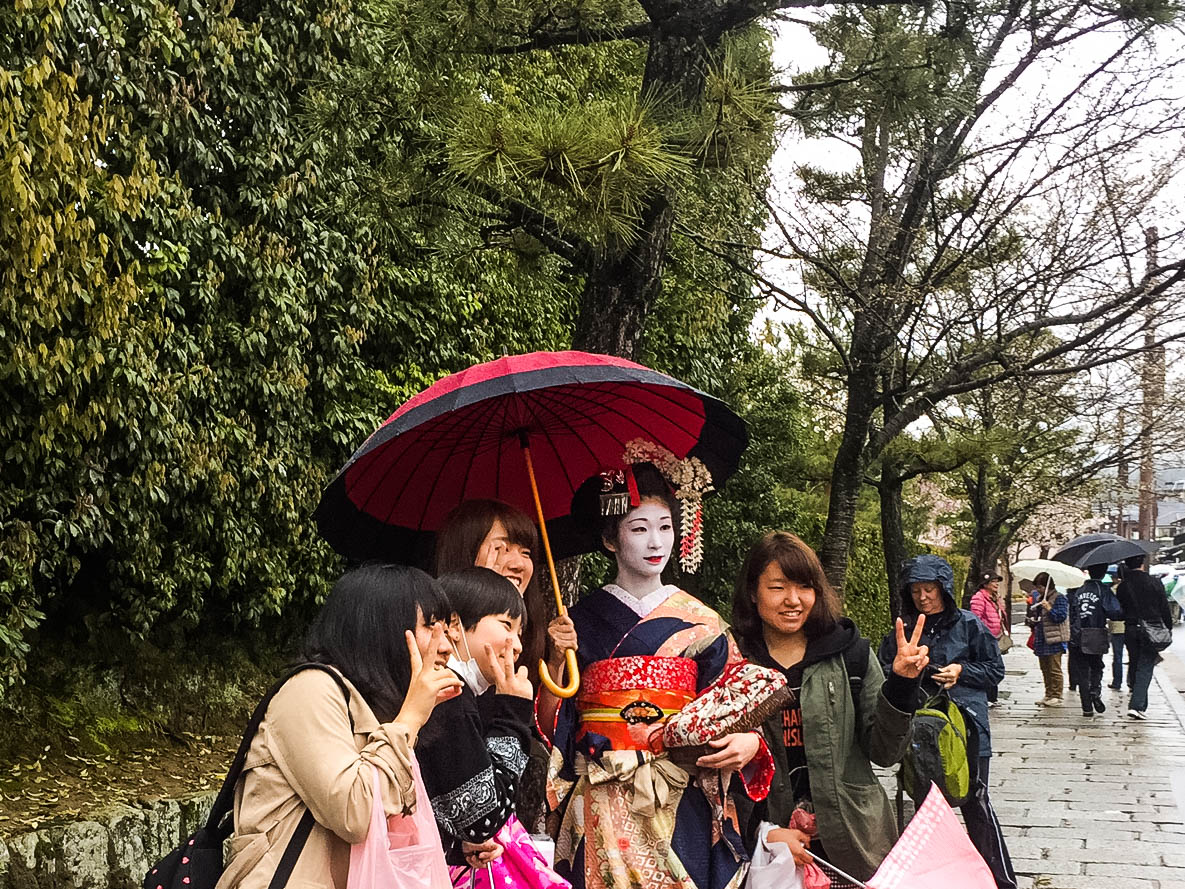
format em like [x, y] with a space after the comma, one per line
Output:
[304, 755]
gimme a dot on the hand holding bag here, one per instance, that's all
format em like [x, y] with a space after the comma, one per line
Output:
[520, 866]
[773, 867]
[742, 699]
[400, 852]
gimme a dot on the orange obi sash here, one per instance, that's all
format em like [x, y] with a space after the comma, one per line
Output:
[627, 699]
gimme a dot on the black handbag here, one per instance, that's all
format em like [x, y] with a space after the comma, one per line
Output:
[1158, 637]
[1094, 640]
[197, 862]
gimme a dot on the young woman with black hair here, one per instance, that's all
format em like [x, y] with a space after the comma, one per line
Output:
[825, 797]
[473, 748]
[383, 630]
[492, 534]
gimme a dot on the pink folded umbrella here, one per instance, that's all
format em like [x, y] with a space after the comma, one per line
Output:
[934, 852]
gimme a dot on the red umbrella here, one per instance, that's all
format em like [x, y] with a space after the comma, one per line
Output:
[526, 429]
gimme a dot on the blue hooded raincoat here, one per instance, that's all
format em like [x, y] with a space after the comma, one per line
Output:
[955, 637]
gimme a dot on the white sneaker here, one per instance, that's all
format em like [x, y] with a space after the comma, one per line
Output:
[1052, 702]
[1043, 702]
[1137, 714]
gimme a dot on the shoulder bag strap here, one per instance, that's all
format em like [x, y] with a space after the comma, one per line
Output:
[225, 799]
[292, 852]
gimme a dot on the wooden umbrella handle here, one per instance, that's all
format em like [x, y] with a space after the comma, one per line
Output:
[573, 686]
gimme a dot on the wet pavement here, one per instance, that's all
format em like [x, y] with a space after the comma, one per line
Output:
[1091, 803]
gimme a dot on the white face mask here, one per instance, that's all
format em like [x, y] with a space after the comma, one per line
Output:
[468, 669]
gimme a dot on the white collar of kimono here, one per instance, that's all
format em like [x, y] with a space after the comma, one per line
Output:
[641, 607]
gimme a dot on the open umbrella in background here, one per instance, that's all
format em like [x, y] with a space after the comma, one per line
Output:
[525, 429]
[1063, 576]
[1111, 553]
[1071, 552]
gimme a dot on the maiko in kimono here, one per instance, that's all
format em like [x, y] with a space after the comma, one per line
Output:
[624, 813]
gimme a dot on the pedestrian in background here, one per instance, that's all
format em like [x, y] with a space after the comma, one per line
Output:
[1145, 604]
[966, 662]
[1090, 605]
[1118, 643]
[1048, 616]
[987, 604]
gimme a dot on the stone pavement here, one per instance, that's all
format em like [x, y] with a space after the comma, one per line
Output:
[1091, 803]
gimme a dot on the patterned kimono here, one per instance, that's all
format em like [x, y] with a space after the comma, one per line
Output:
[628, 817]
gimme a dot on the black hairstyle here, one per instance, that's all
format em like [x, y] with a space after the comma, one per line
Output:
[800, 565]
[479, 592]
[1135, 562]
[1097, 572]
[458, 542]
[360, 629]
[586, 503]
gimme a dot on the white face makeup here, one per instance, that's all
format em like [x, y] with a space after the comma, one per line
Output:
[643, 547]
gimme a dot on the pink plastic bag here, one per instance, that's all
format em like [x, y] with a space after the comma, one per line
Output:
[400, 852]
[520, 866]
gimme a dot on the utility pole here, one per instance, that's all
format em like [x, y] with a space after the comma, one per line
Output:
[1122, 474]
[1152, 391]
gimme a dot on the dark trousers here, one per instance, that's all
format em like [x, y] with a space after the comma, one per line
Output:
[1142, 659]
[1117, 659]
[983, 827]
[1088, 668]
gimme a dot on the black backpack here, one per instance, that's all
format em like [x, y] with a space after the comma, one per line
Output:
[197, 862]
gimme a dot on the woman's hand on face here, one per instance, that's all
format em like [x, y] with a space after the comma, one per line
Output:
[732, 752]
[429, 684]
[478, 855]
[795, 839]
[562, 633]
[948, 675]
[508, 680]
[911, 659]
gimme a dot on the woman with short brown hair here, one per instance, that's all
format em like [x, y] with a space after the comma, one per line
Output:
[842, 716]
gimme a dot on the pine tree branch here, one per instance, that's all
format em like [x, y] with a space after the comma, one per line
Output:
[841, 81]
[577, 37]
[536, 223]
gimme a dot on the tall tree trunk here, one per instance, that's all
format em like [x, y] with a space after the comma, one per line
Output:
[847, 473]
[624, 279]
[892, 531]
[989, 538]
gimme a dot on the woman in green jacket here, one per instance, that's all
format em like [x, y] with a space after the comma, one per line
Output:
[842, 716]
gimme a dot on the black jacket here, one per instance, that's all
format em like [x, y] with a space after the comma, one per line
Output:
[1143, 597]
[1091, 606]
[472, 752]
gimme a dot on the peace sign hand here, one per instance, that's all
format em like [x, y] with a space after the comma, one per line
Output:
[428, 685]
[508, 680]
[911, 659]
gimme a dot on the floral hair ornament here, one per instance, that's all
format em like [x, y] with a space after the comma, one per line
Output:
[690, 480]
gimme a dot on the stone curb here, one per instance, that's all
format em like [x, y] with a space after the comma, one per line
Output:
[112, 852]
[1175, 701]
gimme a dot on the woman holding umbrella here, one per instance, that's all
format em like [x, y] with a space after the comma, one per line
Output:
[629, 815]
[1048, 616]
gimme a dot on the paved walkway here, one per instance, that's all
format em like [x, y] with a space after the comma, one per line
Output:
[1091, 803]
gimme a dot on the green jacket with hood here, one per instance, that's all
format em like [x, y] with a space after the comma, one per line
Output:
[841, 739]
